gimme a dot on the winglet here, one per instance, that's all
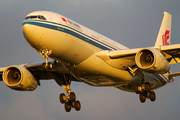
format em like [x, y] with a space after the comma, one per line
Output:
[164, 34]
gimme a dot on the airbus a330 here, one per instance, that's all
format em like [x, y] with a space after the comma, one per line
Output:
[81, 54]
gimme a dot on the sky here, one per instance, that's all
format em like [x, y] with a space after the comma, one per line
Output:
[133, 23]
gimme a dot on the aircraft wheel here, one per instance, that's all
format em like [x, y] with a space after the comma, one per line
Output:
[152, 96]
[67, 107]
[49, 66]
[62, 98]
[147, 87]
[44, 66]
[136, 89]
[142, 97]
[72, 97]
[77, 105]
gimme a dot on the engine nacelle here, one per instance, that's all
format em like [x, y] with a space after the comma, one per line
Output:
[152, 61]
[19, 78]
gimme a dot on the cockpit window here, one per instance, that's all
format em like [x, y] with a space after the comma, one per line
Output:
[39, 17]
[27, 17]
[35, 17]
[32, 17]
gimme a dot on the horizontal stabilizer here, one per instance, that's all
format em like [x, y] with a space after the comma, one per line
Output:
[173, 74]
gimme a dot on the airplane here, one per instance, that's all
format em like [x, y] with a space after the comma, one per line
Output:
[73, 52]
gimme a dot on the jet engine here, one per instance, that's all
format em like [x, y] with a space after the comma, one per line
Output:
[19, 78]
[152, 61]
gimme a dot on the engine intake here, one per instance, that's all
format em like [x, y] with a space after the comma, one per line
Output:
[151, 60]
[19, 78]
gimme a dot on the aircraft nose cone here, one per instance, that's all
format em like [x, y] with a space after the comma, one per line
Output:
[29, 34]
[26, 31]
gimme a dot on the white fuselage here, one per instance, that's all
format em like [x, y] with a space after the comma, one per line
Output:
[76, 46]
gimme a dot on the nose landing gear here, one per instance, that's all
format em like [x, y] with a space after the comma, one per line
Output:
[69, 100]
[45, 54]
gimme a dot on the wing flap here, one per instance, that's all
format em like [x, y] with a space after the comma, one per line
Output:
[172, 53]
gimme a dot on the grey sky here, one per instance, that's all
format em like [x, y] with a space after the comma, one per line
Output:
[133, 23]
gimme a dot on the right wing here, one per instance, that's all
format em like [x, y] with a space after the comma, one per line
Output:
[58, 71]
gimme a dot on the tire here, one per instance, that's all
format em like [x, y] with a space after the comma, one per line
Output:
[49, 67]
[77, 105]
[67, 107]
[44, 66]
[152, 96]
[147, 87]
[142, 97]
[72, 97]
[62, 98]
[136, 89]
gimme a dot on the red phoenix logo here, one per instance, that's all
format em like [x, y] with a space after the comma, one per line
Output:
[165, 37]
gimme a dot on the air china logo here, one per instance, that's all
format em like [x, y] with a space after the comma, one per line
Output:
[165, 37]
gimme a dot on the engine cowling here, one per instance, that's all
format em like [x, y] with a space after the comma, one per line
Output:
[152, 61]
[19, 78]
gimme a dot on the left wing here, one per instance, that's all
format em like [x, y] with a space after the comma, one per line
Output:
[171, 52]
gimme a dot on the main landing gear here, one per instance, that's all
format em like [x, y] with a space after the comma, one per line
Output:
[69, 100]
[144, 92]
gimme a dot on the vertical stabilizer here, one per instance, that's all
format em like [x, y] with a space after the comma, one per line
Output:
[164, 34]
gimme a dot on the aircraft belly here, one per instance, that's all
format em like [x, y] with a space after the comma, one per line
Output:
[155, 80]
[96, 72]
